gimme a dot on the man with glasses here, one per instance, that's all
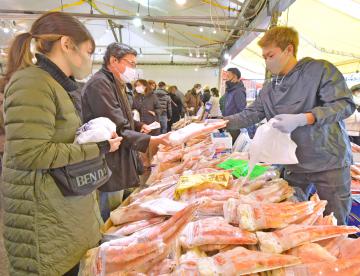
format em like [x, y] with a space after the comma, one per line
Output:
[104, 95]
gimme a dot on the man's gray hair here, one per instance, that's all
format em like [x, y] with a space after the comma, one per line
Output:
[118, 50]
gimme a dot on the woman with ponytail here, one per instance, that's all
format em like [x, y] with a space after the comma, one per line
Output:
[46, 233]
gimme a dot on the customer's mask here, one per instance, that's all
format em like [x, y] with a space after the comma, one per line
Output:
[129, 75]
[82, 71]
[140, 89]
[277, 63]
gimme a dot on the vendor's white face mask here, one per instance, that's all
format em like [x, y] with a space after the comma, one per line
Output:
[356, 98]
[277, 63]
[140, 89]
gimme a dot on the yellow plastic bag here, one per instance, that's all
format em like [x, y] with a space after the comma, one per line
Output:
[218, 180]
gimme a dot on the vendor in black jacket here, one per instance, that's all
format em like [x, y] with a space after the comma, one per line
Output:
[104, 95]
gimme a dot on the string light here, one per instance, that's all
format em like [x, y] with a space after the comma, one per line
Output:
[137, 22]
[164, 29]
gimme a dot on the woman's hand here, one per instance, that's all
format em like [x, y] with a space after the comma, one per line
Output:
[152, 113]
[115, 142]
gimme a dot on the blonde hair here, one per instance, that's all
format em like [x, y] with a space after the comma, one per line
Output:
[281, 37]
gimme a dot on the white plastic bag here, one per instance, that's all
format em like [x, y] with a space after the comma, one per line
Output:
[163, 206]
[96, 130]
[242, 143]
[272, 146]
[136, 115]
[154, 125]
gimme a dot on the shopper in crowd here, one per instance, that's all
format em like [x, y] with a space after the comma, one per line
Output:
[214, 100]
[222, 104]
[176, 106]
[353, 122]
[206, 94]
[46, 233]
[152, 85]
[104, 96]
[234, 97]
[147, 104]
[193, 100]
[181, 96]
[165, 104]
[308, 99]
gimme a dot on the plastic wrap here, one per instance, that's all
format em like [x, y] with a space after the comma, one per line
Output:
[210, 208]
[341, 267]
[295, 235]
[202, 181]
[132, 227]
[163, 206]
[258, 183]
[191, 131]
[211, 231]
[130, 213]
[219, 195]
[273, 215]
[318, 211]
[326, 220]
[126, 258]
[96, 130]
[343, 247]
[165, 266]
[230, 210]
[276, 192]
[240, 261]
[311, 253]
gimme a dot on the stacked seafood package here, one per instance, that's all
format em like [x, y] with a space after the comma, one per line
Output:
[196, 218]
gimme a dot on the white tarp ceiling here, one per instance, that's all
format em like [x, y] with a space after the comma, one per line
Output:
[328, 29]
[178, 42]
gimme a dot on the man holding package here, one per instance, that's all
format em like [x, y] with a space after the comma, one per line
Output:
[104, 95]
[309, 99]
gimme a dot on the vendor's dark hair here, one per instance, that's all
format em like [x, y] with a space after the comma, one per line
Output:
[46, 30]
[118, 50]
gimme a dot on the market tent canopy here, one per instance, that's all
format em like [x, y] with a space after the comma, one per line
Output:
[328, 29]
[162, 31]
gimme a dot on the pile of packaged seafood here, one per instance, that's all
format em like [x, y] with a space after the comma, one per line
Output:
[196, 218]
